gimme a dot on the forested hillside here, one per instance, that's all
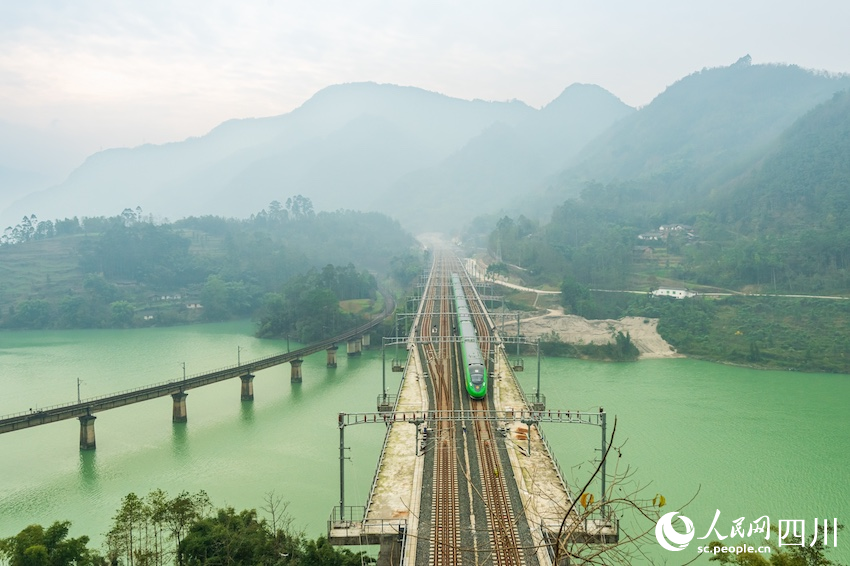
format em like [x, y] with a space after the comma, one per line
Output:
[778, 224]
[700, 133]
[780, 227]
[129, 271]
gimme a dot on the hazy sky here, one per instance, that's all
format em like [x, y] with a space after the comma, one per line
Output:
[125, 72]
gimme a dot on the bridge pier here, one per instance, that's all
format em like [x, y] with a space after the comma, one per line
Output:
[332, 356]
[296, 371]
[366, 341]
[247, 387]
[178, 413]
[87, 432]
[354, 347]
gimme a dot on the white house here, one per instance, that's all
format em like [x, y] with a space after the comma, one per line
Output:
[675, 293]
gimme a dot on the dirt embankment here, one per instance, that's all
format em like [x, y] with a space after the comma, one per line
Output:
[577, 330]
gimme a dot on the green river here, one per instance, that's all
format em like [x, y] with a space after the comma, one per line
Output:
[747, 443]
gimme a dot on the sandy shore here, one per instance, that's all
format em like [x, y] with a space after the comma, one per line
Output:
[577, 330]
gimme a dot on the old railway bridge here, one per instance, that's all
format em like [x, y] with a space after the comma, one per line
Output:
[459, 481]
[85, 409]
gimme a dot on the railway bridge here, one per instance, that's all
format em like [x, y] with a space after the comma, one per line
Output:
[84, 410]
[463, 481]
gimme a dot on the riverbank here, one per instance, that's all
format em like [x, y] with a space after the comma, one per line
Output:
[573, 329]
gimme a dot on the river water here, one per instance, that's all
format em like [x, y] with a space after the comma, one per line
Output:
[747, 443]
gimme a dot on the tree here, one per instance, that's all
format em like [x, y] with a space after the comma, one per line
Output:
[299, 207]
[142, 527]
[498, 268]
[37, 546]
[122, 314]
[575, 296]
[623, 502]
[796, 552]
[228, 538]
[34, 313]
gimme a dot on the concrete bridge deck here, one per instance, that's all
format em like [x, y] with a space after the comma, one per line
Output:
[392, 510]
[391, 514]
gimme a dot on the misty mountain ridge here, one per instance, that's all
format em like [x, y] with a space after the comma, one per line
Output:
[505, 161]
[346, 147]
[701, 132]
[436, 162]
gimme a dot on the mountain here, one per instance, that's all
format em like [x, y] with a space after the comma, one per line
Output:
[802, 185]
[505, 161]
[343, 140]
[701, 132]
[357, 146]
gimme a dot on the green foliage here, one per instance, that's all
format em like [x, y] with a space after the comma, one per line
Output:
[685, 323]
[407, 267]
[498, 268]
[795, 551]
[148, 529]
[122, 314]
[37, 546]
[156, 529]
[575, 297]
[223, 300]
[141, 252]
[620, 350]
[769, 332]
[32, 314]
[308, 307]
[228, 538]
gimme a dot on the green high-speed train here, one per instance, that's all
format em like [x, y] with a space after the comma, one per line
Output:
[474, 368]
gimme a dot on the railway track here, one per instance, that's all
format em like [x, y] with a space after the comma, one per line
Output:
[445, 547]
[502, 528]
[444, 361]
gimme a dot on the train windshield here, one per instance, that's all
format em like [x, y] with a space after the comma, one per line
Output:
[476, 375]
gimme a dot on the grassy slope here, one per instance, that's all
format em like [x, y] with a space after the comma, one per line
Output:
[42, 269]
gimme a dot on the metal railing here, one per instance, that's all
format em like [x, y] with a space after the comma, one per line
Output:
[357, 524]
[70, 409]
